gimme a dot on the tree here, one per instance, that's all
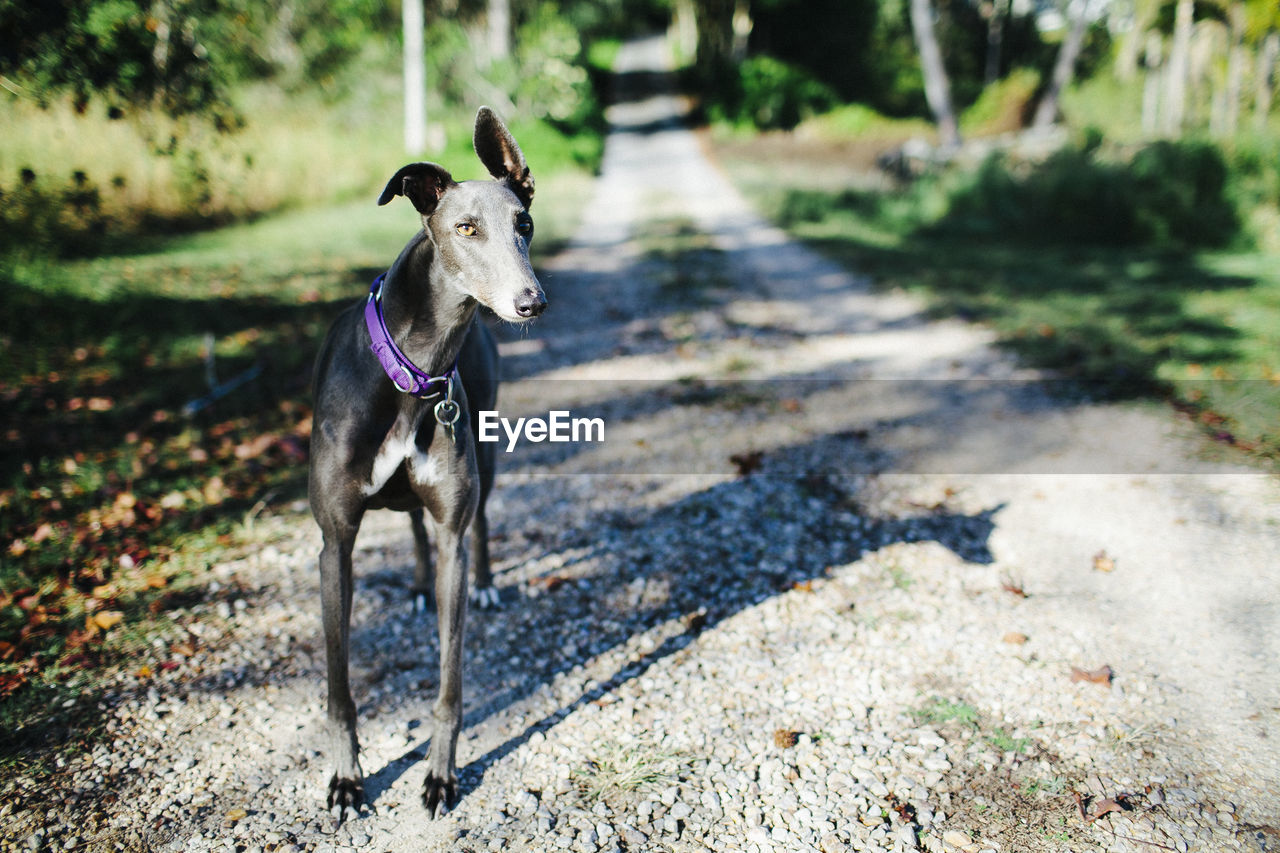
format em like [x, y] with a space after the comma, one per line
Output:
[937, 86]
[415, 79]
[1178, 69]
[1064, 67]
[499, 29]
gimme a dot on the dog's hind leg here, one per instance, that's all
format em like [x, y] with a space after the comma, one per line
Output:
[422, 562]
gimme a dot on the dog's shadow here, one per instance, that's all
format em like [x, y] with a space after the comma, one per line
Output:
[713, 553]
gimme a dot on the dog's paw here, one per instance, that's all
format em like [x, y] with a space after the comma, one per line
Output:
[346, 797]
[438, 794]
[486, 598]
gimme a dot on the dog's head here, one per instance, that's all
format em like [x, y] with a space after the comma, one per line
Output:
[480, 229]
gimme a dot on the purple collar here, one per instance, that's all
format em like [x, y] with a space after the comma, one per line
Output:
[404, 374]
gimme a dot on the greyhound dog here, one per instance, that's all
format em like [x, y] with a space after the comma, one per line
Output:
[393, 429]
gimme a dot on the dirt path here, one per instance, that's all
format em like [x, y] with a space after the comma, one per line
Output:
[862, 639]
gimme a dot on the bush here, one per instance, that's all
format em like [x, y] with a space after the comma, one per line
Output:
[1169, 194]
[770, 95]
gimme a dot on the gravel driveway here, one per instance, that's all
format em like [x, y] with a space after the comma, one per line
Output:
[839, 578]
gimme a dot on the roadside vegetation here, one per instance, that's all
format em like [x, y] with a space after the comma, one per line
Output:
[1132, 249]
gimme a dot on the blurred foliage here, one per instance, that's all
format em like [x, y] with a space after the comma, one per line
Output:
[769, 94]
[865, 50]
[1175, 195]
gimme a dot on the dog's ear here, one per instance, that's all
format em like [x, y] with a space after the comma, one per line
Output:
[421, 183]
[498, 151]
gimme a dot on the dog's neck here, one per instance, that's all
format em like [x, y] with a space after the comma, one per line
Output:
[426, 321]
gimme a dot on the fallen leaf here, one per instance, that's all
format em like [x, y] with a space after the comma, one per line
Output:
[1014, 588]
[144, 671]
[17, 548]
[6, 649]
[214, 490]
[1101, 675]
[1103, 563]
[803, 586]
[107, 619]
[1014, 638]
[747, 462]
[10, 682]
[1105, 807]
[107, 590]
[237, 814]
[42, 533]
[550, 582]
[784, 738]
[155, 580]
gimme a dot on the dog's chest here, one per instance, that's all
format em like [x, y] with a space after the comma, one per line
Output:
[400, 448]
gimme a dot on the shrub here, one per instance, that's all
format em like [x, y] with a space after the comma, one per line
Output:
[1169, 194]
[770, 94]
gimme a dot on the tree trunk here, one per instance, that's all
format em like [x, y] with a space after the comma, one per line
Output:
[742, 26]
[937, 86]
[415, 79]
[1064, 68]
[715, 35]
[684, 26]
[1151, 86]
[499, 29]
[1236, 59]
[995, 40]
[1177, 71]
[1266, 67]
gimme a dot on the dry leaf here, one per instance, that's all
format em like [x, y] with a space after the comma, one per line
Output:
[1014, 638]
[237, 814]
[803, 586]
[1014, 588]
[107, 619]
[1106, 806]
[144, 671]
[107, 590]
[157, 581]
[784, 738]
[550, 582]
[1101, 675]
[1103, 563]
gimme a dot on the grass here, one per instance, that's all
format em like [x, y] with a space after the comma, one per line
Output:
[1199, 327]
[940, 710]
[113, 498]
[618, 770]
[75, 181]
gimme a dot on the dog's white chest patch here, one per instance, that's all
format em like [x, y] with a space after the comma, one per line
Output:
[400, 449]
[395, 449]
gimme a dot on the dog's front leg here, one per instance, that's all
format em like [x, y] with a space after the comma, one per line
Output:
[441, 785]
[346, 787]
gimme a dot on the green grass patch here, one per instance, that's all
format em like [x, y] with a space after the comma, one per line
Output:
[940, 710]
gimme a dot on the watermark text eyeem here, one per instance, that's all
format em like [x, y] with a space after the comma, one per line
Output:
[559, 425]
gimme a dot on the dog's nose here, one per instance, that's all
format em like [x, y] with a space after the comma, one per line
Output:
[530, 303]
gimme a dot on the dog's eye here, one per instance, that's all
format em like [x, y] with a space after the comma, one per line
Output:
[466, 229]
[525, 227]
